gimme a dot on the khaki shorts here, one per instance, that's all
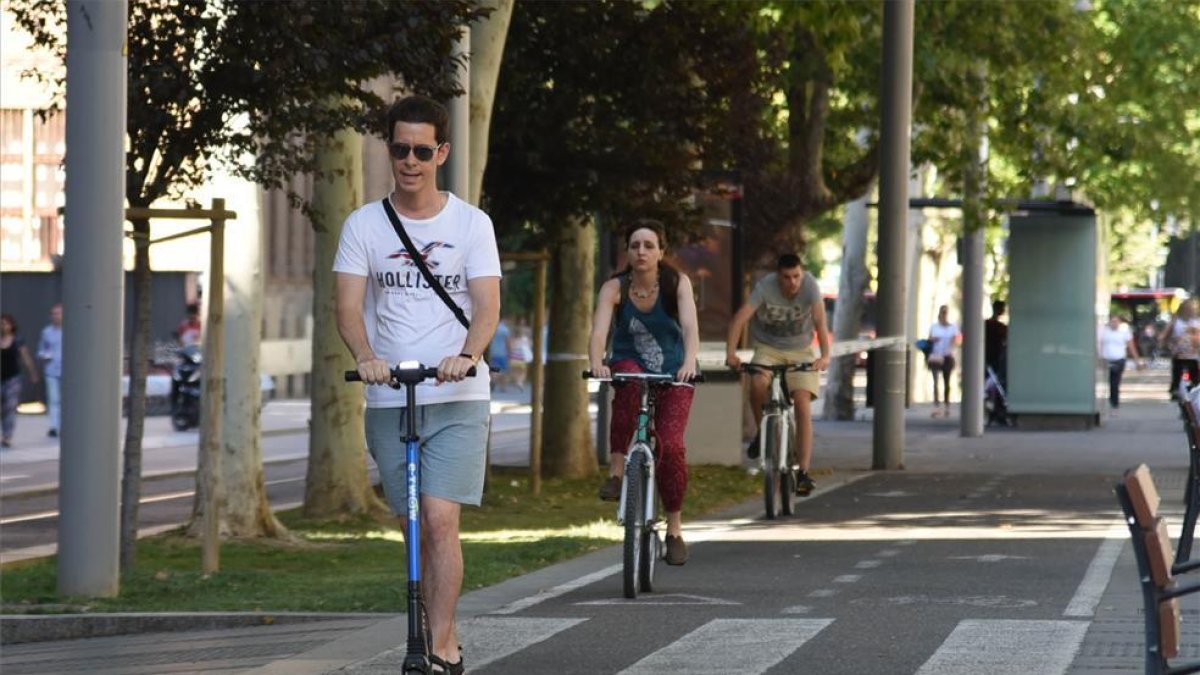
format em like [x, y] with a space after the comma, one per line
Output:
[809, 381]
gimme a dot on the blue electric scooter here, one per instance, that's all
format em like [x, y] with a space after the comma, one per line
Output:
[409, 374]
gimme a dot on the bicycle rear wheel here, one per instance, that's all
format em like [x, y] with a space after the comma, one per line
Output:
[770, 449]
[634, 522]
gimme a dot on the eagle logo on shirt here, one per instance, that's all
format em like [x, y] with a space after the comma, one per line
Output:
[425, 252]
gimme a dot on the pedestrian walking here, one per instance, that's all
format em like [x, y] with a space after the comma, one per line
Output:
[943, 337]
[1115, 343]
[49, 352]
[1181, 337]
[14, 359]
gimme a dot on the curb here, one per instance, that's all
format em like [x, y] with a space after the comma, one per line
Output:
[27, 628]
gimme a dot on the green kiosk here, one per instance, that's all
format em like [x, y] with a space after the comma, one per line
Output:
[1052, 259]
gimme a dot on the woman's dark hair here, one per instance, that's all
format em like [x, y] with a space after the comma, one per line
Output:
[419, 110]
[668, 276]
[12, 321]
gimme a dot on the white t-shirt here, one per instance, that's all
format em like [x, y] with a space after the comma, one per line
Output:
[405, 319]
[1114, 342]
[943, 338]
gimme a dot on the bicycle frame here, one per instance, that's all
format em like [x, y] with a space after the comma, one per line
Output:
[639, 518]
[641, 445]
[779, 405]
[777, 459]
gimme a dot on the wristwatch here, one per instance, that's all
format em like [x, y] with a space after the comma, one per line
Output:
[474, 359]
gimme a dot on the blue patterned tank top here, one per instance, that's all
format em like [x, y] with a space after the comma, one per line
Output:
[653, 338]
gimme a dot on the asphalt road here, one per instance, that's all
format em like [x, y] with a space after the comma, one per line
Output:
[907, 568]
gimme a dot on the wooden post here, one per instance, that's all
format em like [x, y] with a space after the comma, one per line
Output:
[536, 380]
[214, 395]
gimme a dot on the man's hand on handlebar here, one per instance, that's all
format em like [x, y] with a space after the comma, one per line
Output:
[374, 370]
[821, 363]
[454, 368]
[732, 360]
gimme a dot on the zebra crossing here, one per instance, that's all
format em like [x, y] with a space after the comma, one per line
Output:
[727, 645]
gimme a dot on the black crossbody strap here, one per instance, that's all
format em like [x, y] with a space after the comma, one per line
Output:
[419, 261]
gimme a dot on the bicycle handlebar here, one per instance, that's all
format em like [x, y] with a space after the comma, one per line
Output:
[661, 378]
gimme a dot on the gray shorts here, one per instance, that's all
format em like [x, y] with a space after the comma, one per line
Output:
[453, 450]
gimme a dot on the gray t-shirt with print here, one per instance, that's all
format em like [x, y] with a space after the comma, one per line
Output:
[784, 323]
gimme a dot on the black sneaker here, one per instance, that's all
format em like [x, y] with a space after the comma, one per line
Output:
[752, 450]
[804, 484]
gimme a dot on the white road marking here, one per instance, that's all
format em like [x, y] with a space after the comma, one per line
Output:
[489, 639]
[888, 553]
[847, 578]
[725, 646]
[891, 494]
[822, 593]
[1007, 647]
[1095, 579]
[561, 589]
[867, 564]
[989, 557]
[669, 599]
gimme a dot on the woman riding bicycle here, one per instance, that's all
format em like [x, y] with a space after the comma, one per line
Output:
[655, 331]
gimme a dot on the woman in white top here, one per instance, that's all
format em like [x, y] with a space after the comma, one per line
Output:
[1180, 336]
[1115, 342]
[943, 336]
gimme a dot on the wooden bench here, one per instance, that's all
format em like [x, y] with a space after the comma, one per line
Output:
[1156, 572]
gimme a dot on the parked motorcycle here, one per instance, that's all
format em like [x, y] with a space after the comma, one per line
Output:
[185, 389]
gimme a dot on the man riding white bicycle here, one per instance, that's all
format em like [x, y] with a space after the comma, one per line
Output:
[784, 311]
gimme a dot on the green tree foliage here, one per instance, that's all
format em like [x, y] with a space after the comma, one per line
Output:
[1127, 128]
[216, 82]
[598, 110]
[247, 85]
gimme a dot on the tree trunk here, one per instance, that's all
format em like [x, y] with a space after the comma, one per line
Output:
[139, 358]
[487, 50]
[337, 483]
[567, 442]
[847, 313]
[246, 511]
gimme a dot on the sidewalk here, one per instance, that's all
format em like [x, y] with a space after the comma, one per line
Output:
[1147, 430]
[167, 451]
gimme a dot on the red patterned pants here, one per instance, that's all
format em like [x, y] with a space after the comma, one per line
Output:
[671, 408]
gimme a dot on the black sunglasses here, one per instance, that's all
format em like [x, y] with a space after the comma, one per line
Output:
[423, 153]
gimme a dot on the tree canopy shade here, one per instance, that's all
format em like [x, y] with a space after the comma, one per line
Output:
[253, 87]
[213, 81]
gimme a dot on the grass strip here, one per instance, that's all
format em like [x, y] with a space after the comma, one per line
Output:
[357, 565]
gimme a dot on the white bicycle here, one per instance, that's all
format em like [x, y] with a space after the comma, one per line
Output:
[776, 434]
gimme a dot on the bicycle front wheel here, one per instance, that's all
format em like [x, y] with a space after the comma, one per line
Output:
[771, 439]
[787, 474]
[635, 522]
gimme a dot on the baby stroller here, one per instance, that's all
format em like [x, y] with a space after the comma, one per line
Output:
[995, 401]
